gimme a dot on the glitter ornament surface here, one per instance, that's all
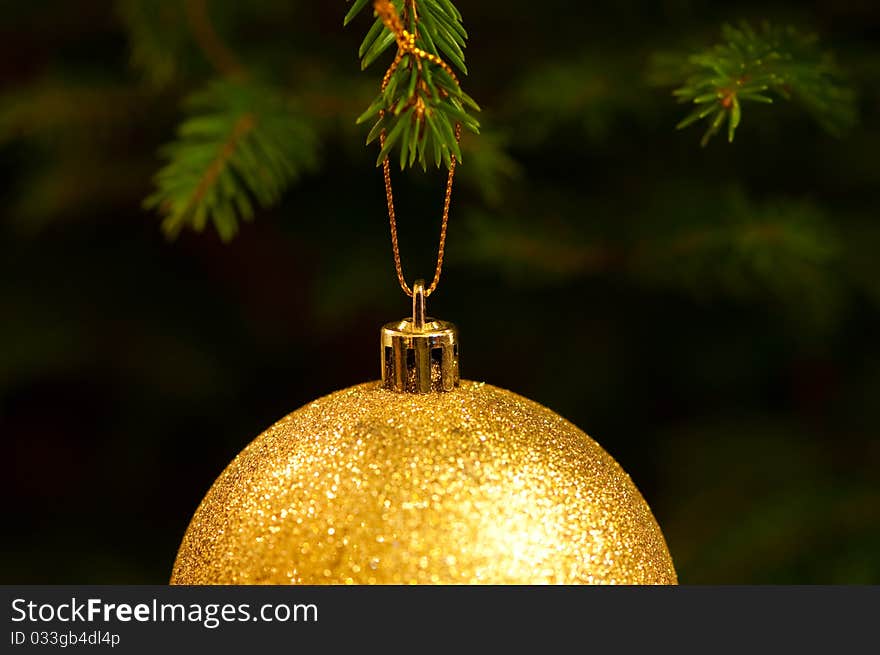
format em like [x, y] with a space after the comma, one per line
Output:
[476, 485]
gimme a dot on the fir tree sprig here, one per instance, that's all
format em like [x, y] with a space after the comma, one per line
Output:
[757, 66]
[421, 100]
[241, 143]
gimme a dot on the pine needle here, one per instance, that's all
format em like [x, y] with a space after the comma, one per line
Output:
[422, 99]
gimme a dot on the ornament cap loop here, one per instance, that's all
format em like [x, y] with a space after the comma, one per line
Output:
[419, 354]
[418, 299]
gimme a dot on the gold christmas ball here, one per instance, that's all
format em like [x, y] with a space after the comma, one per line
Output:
[472, 485]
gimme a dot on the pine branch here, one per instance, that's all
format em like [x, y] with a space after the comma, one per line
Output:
[421, 102]
[241, 143]
[752, 66]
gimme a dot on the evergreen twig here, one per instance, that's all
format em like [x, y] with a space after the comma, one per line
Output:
[757, 66]
[421, 100]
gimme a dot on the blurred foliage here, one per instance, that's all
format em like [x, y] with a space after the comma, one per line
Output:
[590, 101]
[780, 249]
[708, 315]
[753, 66]
[242, 142]
[158, 38]
[782, 493]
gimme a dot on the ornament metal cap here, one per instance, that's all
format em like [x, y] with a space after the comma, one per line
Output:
[419, 354]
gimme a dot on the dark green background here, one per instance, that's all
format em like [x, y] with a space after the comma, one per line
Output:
[739, 389]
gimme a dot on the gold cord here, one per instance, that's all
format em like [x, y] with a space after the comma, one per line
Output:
[406, 45]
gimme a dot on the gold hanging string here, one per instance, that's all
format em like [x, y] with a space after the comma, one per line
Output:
[406, 44]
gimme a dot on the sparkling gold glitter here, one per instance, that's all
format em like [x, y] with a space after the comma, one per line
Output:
[476, 485]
